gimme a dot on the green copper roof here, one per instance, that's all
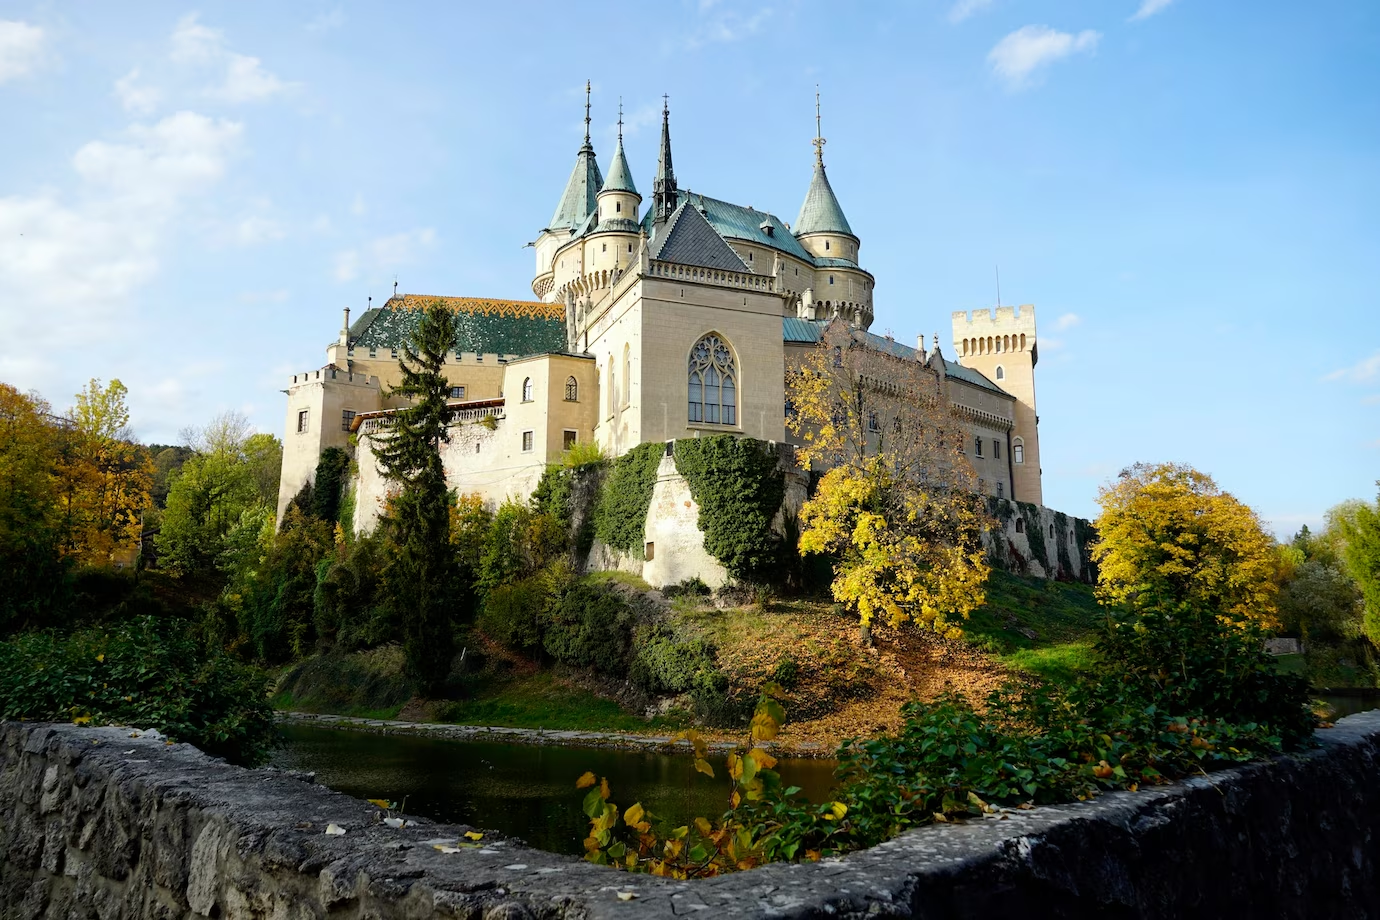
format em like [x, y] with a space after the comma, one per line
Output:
[733, 222]
[809, 331]
[620, 176]
[581, 191]
[689, 239]
[500, 327]
[821, 212]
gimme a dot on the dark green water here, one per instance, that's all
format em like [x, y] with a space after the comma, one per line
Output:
[1352, 703]
[526, 791]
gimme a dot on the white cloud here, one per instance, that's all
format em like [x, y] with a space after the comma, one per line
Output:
[383, 253]
[358, 207]
[1149, 8]
[727, 26]
[254, 230]
[1017, 56]
[21, 48]
[245, 78]
[1360, 372]
[141, 100]
[327, 21]
[74, 259]
[965, 8]
[1067, 321]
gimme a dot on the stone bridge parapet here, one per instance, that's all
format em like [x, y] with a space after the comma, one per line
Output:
[95, 823]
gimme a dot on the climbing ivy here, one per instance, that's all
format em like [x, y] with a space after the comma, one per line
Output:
[1034, 532]
[738, 485]
[621, 519]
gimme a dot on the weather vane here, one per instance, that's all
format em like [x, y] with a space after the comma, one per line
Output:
[819, 141]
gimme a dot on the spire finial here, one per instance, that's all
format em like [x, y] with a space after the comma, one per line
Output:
[818, 141]
[395, 285]
[620, 119]
[586, 111]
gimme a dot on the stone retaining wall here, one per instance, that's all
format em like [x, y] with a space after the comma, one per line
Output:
[95, 823]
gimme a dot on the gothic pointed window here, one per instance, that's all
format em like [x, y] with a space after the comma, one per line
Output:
[713, 383]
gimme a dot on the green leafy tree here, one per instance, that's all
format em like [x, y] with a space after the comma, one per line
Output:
[1360, 531]
[33, 575]
[421, 576]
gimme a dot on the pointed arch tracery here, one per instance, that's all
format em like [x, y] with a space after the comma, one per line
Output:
[713, 382]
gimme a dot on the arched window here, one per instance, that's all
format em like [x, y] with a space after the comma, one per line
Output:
[1020, 525]
[527, 389]
[1001, 372]
[1018, 451]
[713, 382]
[572, 390]
[627, 372]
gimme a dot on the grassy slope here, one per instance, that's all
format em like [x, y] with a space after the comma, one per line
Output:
[1061, 615]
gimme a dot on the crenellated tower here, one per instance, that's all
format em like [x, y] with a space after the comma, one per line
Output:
[1003, 347]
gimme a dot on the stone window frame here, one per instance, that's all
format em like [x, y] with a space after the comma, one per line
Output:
[303, 421]
[527, 389]
[529, 438]
[721, 360]
[569, 438]
[572, 389]
[1018, 451]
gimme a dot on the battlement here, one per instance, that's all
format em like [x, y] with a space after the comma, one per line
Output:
[332, 374]
[1007, 319]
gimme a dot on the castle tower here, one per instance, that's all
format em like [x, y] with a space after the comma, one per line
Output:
[618, 200]
[841, 287]
[578, 202]
[1004, 349]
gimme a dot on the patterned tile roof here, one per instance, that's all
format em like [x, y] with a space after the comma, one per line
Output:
[688, 239]
[808, 331]
[482, 325]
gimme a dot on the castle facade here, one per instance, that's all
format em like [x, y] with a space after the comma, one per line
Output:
[653, 320]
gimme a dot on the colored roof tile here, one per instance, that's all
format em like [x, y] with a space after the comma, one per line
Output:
[482, 326]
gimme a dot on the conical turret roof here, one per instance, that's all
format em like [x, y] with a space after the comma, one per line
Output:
[821, 212]
[620, 176]
[581, 191]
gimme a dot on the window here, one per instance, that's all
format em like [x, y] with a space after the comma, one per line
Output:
[1001, 490]
[618, 207]
[604, 247]
[750, 259]
[977, 447]
[649, 552]
[527, 389]
[457, 392]
[831, 279]
[347, 417]
[568, 439]
[1020, 525]
[572, 390]
[627, 373]
[1051, 531]
[996, 449]
[713, 382]
[838, 356]
[1018, 451]
[872, 422]
[1001, 372]
[527, 439]
[826, 249]
[302, 422]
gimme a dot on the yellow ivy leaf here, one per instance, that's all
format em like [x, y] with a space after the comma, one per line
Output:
[381, 803]
[474, 835]
[584, 782]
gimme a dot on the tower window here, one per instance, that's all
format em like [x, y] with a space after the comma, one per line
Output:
[1001, 372]
[618, 207]
[977, 446]
[302, 421]
[527, 439]
[527, 389]
[603, 247]
[1018, 452]
[831, 279]
[347, 417]
[750, 259]
[713, 382]
[568, 439]
[572, 390]
[872, 424]
[996, 449]
[826, 245]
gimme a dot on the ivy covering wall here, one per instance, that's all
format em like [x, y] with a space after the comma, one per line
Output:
[738, 485]
[621, 518]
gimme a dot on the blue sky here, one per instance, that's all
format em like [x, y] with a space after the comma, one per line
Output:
[1187, 190]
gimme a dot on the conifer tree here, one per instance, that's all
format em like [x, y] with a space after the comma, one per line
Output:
[421, 577]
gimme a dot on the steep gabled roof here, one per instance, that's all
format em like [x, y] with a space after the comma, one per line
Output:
[821, 212]
[688, 239]
[734, 222]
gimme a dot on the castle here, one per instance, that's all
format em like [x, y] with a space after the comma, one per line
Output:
[673, 320]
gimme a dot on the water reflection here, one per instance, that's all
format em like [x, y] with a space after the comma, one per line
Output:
[526, 791]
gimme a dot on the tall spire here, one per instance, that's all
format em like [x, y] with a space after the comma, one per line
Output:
[620, 176]
[664, 195]
[819, 140]
[581, 189]
[620, 113]
[821, 212]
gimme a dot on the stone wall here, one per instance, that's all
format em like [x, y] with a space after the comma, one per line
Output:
[96, 823]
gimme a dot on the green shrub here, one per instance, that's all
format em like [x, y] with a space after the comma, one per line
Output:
[693, 586]
[148, 673]
[590, 627]
[514, 615]
[621, 518]
[329, 483]
[739, 486]
[521, 540]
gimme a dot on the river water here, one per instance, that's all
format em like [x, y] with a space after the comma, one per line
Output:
[526, 791]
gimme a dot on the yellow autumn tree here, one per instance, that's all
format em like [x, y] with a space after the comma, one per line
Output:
[1167, 534]
[898, 505]
[104, 477]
